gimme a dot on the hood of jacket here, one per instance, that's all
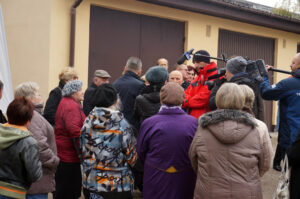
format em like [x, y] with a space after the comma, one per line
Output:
[39, 108]
[228, 126]
[152, 97]
[105, 118]
[243, 78]
[296, 73]
[10, 135]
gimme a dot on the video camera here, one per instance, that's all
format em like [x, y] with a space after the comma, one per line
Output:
[255, 69]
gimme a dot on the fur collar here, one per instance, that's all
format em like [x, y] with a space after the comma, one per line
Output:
[222, 115]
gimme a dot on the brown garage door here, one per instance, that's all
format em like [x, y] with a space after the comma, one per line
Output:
[253, 47]
[116, 35]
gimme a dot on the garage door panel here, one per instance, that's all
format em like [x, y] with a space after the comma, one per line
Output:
[161, 38]
[116, 35]
[253, 47]
[113, 38]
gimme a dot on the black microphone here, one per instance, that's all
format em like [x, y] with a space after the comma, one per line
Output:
[281, 71]
[185, 56]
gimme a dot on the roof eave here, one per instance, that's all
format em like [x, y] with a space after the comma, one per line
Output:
[234, 12]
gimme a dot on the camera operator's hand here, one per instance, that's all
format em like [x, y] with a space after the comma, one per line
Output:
[268, 67]
[219, 82]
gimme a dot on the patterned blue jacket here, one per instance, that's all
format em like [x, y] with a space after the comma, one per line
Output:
[108, 149]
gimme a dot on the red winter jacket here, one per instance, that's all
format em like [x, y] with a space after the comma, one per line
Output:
[69, 119]
[197, 94]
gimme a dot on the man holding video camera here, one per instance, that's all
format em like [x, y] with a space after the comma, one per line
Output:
[287, 91]
[197, 94]
[236, 73]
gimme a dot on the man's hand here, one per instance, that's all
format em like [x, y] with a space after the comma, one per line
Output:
[190, 67]
[268, 67]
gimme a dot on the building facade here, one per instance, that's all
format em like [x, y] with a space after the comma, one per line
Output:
[107, 32]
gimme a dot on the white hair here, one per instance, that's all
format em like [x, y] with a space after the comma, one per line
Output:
[26, 89]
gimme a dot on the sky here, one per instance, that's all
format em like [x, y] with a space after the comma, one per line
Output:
[270, 3]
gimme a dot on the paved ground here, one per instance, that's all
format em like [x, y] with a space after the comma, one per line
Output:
[269, 180]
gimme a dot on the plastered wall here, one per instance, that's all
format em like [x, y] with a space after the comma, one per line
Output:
[38, 36]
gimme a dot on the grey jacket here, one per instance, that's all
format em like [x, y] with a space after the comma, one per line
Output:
[43, 132]
[20, 165]
[230, 152]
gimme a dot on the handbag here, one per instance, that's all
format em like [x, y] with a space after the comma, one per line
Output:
[282, 190]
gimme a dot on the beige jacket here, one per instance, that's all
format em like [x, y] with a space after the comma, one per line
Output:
[43, 132]
[229, 152]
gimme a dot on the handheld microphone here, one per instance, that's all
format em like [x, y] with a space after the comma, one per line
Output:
[185, 56]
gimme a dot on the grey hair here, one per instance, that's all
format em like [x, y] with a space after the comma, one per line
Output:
[180, 66]
[249, 95]
[26, 89]
[134, 63]
[230, 96]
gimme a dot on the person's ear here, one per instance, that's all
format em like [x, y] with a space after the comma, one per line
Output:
[139, 72]
[27, 124]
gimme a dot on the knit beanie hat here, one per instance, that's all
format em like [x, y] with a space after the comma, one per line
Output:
[172, 94]
[104, 95]
[71, 87]
[236, 65]
[197, 56]
[157, 75]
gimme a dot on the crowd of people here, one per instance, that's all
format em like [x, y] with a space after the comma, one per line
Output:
[164, 133]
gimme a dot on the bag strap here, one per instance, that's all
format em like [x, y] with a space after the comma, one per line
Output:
[74, 140]
[285, 170]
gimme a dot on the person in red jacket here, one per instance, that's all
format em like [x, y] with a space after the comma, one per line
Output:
[197, 94]
[69, 119]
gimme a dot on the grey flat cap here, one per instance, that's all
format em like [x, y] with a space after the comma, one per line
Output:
[101, 73]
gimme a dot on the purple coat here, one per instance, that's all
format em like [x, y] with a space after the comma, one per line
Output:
[163, 146]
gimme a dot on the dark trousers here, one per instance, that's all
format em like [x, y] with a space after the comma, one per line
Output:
[68, 181]
[138, 174]
[284, 142]
[279, 155]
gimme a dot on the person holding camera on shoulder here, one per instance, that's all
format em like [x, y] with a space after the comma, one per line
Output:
[197, 94]
[287, 91]
[236, 73]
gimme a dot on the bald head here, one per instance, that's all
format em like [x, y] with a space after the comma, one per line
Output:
[295, 62]
[176, 76]
[163, 62]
